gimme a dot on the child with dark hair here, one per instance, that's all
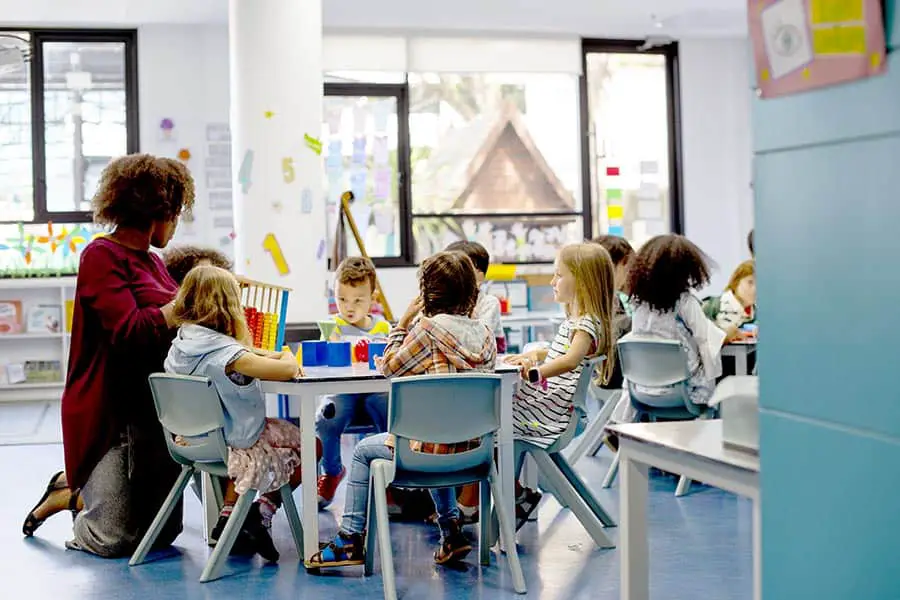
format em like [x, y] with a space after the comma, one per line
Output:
[445, 339]
[663, 275]
[487, 307]
[621, 253]
[180, 260]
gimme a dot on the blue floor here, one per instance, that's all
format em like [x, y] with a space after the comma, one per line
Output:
[700, 547]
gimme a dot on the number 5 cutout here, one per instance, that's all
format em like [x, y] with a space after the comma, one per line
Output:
[287, 169]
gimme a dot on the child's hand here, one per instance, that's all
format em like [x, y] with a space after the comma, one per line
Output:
[379, 363]
[411, 313]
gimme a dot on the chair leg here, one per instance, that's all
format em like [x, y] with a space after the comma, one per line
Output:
[592, 439]
[684, 485]
[484, 522]
[576, 503]
[582, 489]
[371, 531]
[611, 473]
[507, 534]
[140, 555]
[384, 532]
[216, 561]
[290, 511]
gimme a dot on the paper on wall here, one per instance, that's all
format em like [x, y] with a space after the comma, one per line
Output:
[786, 36]
[380, 151]
[382, 184]
[649, 209]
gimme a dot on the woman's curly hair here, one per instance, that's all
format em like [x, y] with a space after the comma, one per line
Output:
[139, 189]
[664, 268]
[181, 259]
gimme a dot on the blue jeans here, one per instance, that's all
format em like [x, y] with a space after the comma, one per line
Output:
[357, 499]
[346, 406]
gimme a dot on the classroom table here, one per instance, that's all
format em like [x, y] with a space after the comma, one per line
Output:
[531, 318]
[740, 350]
[691, 448]
[321, 381]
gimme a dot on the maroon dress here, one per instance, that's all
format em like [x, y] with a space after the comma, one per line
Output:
[119, 337]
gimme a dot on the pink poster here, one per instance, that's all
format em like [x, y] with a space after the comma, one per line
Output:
[800, 45]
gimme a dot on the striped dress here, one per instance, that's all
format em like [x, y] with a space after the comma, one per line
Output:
[541, 416]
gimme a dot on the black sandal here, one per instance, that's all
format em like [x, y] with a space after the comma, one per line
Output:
[454, 547]
[32, 523]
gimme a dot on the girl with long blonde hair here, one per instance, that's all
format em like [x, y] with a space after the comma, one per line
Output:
[583, 282]
[263, 454]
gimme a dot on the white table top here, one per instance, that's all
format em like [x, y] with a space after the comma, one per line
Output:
[532, 316]
[698, 438]
[362, 372]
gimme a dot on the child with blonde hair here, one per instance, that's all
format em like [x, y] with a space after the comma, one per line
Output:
[263, 454]
[584, 282]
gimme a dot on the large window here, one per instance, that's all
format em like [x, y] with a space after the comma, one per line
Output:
[632, 148]
[495, 159]
[68, 104]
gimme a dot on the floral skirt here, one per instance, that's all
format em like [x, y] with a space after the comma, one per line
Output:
[270, 462]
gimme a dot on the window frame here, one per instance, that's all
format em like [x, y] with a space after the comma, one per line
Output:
[38, 37]
[400, 92]
[673, 109]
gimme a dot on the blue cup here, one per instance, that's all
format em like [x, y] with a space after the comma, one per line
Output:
[314, 354]
[339, 354]
[375, 349]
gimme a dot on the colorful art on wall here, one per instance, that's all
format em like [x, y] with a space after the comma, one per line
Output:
[43, 250]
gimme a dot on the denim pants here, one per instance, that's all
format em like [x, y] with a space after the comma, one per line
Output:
[357, 500]
[330, 430]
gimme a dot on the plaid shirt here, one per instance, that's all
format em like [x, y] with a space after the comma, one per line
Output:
[428, 348]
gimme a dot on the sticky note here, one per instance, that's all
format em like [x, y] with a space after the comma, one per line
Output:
[612, 171]
[271, 245]
[614, 211]
[359, 151]
[244, 175]
[839, 40]
[616, 230]
[313, 144]
[320, 252]
[613, 194]
[836, 11]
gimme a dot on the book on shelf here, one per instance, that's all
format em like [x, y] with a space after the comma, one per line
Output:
[10, 316]
[44, 318]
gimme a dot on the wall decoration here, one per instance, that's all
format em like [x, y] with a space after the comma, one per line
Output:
[184, 155]
[268, 114]
[799, 45]
[320, 252]
[287, 169]
[277, 206]
[271, 245]
[245, 172]
[313, 144]
[167, 130]
[306, 201]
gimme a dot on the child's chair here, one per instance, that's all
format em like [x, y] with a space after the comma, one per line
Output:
[190, 407]
[443, 409]
[557, 475]
[657, 362]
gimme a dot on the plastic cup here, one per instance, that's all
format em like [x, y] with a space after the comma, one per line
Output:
[339, 354]
[375, 349]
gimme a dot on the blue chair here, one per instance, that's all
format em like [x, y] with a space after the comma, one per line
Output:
[190, 407]
[442, 409]
[558, 476]
[659, 363]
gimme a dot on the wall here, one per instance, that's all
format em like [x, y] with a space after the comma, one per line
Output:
[827, 244]
[183, 75]
[716, 146]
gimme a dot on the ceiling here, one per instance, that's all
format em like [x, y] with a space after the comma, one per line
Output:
[588, 18]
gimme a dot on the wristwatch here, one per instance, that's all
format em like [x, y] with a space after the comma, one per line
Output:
[534, 375]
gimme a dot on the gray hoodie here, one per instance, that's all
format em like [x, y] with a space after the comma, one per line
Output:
[200, 351]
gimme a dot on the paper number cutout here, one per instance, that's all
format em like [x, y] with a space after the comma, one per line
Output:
[287, 169]
[245, 172]
[271, 245]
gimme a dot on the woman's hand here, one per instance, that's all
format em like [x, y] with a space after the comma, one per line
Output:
[415, 307]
